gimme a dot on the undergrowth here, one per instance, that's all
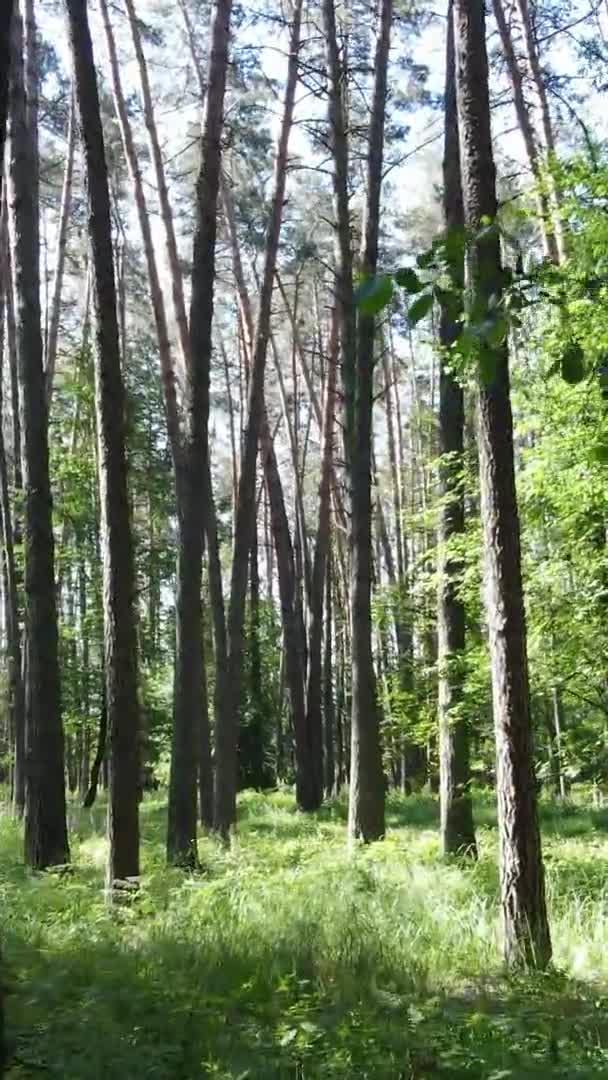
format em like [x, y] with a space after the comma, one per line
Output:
[289, 957]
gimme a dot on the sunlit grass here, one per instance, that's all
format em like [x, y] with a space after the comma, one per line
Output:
[289, 956]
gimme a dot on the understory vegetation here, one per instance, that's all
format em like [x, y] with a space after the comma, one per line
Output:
[287, 956]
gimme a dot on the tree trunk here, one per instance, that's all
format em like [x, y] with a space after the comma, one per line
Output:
[177, 286]
[6, 15]
[526, 930]
[329, 712]
[227, 729]
[100, 753]
[547, 226]
[538, 82]
[367, 789]
[457, 829]
[291, 615]
[194, 508]
[62, 237]
[11, 597]
[314, 685]
[120, 660]
[46, 840]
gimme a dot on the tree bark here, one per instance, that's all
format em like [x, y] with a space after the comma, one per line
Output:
[177, 285]
[194, 475]
[120, 660]
[457, 829]
[367, 788]
[226, 730]
[15, 679]
[62, 237]
[329, 711]
[526, 930]
[314, 684]
[545, 217]
[46, 841]
[6, 16]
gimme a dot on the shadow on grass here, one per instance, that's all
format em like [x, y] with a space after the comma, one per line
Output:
[165, 1009]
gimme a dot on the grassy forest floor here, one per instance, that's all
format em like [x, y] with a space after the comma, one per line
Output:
[286, 957]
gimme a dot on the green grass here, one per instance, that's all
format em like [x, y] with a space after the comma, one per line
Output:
[288, 957]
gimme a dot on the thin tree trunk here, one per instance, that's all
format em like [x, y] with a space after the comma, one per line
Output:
[11, 590]
[156, 295]
[367, 789]
[538, 82]
[226, 732]
[46, 840]
[545, 218]
[194, 508]
[308, 793]
[314, 685]
[177, 286]
[120, 660]
[329, 712]
[100, 753]
[62, 237]
[526, 930]
[457, 829]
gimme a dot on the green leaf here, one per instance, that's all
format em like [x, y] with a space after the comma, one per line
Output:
[374, 293]
[573, 364]
[451, 302]
[425, 259]
[454, 244]
[420, 308]
[599, 452]
[408, 279]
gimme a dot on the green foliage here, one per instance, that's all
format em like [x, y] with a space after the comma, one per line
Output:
[290, 957]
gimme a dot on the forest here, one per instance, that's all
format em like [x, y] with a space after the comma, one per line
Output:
[303, 539]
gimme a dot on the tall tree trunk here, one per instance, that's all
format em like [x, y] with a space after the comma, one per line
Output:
[62, 237]
[526, 930]
[329, 712]
[457, 829]
[46, 840]
[177, 285]
[120, 660]
[291, 614]
[226, 730]
[314, 685]
[11, 590]
[545, 218]
[367, 793]
[194, 509]
[538, 82]
[5, 17]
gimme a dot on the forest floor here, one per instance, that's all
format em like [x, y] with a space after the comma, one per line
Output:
[286, 957]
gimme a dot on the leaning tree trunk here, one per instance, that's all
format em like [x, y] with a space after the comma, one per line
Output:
[545, 218]
[46, 840]
[227, 727]
[367, 789]
[526, 930]
[120, 660]
[457, 829]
